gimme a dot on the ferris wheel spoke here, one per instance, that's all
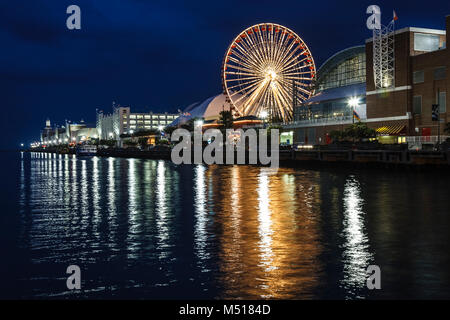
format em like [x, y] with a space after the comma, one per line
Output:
[247, 53]
[243, 69]
[250, 46]
[239, 63]
[246, 90]
[244, 55]
[296, 62]
[240, 79]
[240, 84]
[281, 46]
[247, 58]
[287, 51]
[288, 58]
[253, 98]
[301, 89]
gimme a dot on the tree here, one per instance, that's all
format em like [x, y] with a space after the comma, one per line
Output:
[359, 131]
[170, 130]
[142, 141]
[226, 119]
[162, 142]
[147, 132]
[337, 135]
[108, 143]
[130, 143]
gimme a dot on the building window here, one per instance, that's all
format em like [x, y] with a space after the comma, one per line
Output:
[442, 102]
[350, 71]
[426, 42]
[418, 77]
[132, 116]
[439, 73]
[147, 116]
[417, 104]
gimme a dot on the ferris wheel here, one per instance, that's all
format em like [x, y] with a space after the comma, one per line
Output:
[267, 70]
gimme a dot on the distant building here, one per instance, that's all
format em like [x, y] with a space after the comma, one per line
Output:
[69, 133]
[123, 121]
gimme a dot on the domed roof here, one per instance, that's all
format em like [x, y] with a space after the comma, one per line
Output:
[209, 110]
[338, 58]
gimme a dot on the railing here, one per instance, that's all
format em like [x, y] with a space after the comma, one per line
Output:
[425, 139]
[320, 121]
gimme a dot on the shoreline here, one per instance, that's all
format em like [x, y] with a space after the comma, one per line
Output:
[371, 159]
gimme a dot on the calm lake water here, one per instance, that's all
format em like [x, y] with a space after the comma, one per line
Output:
[151, 229]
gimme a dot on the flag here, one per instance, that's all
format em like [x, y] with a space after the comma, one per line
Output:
[395, 16]
[356, 116]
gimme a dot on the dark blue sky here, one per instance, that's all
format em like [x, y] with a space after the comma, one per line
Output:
[153, 55]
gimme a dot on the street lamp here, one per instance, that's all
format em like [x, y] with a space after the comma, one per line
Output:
[353, 102]
[160, 128]
[263, 114]
[199, 123]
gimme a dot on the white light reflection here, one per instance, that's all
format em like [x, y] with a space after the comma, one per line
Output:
[84, 194]
[111, 187]
[265, 222]
[235, 193]
[200, 212]
[161, 210]
[66, 194]
[356, 255]
[132, 210]
[95, 190]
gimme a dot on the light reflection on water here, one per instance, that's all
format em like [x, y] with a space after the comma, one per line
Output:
[357, 255]
[146, 228]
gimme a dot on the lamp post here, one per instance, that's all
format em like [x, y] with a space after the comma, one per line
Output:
[353, 102]
[263, 114]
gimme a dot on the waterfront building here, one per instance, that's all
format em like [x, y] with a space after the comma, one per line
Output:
[123, 121]
[209, 112]
[400, 111]
[340, 78]
[69, 133]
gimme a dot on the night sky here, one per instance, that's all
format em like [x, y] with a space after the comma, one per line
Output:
[153, 55]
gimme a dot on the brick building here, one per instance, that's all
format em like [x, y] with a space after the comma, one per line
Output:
[399, 110]
[421, 70]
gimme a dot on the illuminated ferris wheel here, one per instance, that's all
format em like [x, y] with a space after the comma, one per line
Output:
[267, 69]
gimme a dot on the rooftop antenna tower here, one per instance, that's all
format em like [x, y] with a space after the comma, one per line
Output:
[383, 49]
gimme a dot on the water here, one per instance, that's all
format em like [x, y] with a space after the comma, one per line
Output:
[151, 229]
